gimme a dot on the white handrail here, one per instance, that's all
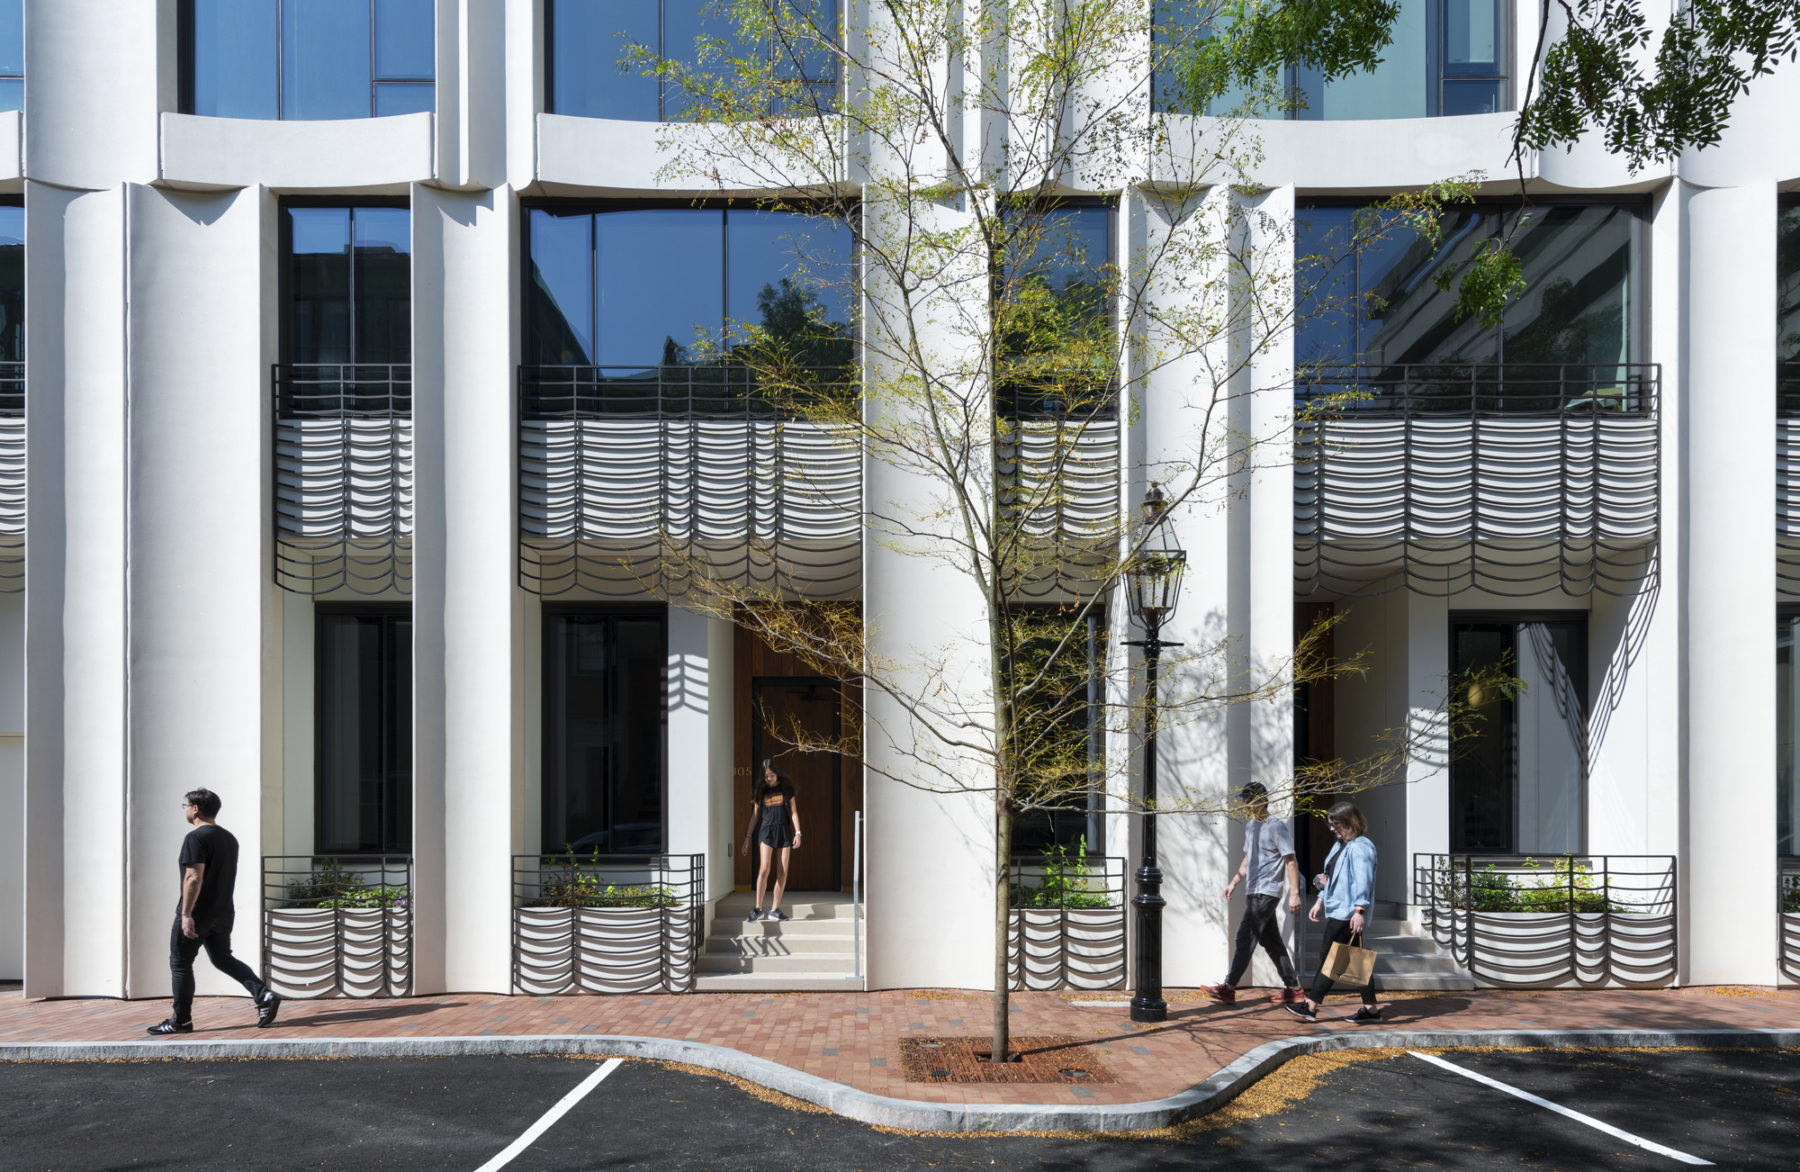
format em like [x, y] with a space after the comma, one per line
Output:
[856, 894]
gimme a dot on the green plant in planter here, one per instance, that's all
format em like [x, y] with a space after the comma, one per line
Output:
[333, 885]
[1790, 895]
[1067, 882]
[1568, 887]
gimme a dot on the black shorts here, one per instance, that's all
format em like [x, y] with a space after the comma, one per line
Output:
[775, 829]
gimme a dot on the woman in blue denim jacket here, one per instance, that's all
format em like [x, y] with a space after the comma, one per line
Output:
[1347, 897]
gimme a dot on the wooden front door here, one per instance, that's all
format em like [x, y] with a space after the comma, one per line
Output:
[780, 706]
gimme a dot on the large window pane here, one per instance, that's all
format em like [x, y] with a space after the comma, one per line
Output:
[789, 275]
[325, 59]
[319, 291]
[364, 714]
[589, 74]
[234, 59]
[1577, 304]
[1472, 36]
[690, 30]
[383, 284]
[1483, 774]
[1176, 26]
[661, 277]
[1787, 282]
[560, 301]
[12, 54]
[1399, 87]
[12, 283]
[603, 733]
[1787, 741]
[404, 35]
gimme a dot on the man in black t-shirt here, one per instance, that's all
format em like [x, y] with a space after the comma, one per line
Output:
[204, 915]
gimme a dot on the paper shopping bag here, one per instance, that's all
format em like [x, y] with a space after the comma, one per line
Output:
[1350, 963]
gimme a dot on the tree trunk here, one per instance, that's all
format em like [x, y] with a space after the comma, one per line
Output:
[1003, 822]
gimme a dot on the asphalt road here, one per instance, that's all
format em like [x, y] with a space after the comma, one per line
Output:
[1739, 1110]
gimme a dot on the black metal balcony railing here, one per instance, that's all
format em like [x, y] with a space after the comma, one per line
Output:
[607, 923]
[1067, 926]
[12, 477]
[1553, 920]
[343, 478]
[631, 478]
[1514, 478]
[1787, 915]
[338, 925]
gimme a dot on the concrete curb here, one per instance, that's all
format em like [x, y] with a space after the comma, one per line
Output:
[911, 1114]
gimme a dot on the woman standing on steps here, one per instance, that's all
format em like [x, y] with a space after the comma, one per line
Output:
[775, 822]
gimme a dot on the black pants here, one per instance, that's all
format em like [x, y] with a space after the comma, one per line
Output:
[1336, 931]
[1261, 925]
[216, 939]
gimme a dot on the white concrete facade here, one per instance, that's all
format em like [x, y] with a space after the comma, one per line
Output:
[153, 650]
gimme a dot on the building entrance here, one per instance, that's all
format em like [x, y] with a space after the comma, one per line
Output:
[788, 713]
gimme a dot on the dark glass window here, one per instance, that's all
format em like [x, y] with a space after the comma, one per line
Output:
[1058, 342]
[12, 54]
[364, 714]
[1518, 784]
[1372, 296]
[349, 283]
[643, 287]
[1060, 731]
[604, 726]
[12, 283]
[307, 59]
[1787, 737]
[589, 41]
[1787, 306]
[1446, 57]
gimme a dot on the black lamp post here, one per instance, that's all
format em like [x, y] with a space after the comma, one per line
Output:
[1153, 582]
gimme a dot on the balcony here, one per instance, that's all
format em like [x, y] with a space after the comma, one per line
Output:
[1516, 479]
[635, 480]
[343, 478]
[1787, 480]
[12, 477]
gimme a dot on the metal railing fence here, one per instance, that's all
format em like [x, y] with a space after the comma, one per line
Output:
[338, 925]
[1787, 917]
[1068, 921]
[1550, 920]
[1480, 388]
[607, 923]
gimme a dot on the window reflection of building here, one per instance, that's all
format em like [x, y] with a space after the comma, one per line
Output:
[307, 59]
[1066, 253]
[1447, 57]
[12, 54]
[592, 74]
[349, 274]
[12, 282]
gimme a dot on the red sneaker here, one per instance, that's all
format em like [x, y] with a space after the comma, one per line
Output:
[1288, 996]
[1224, 994]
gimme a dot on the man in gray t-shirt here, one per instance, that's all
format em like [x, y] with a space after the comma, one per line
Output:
[1268, 867]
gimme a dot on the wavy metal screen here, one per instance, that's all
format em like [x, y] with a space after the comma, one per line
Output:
[1553, 921]
[1067, 925]
[1514, 479]
[1787, 480]
[343, 478]
[338, 925]
[12, 477]
[607, 923]
[632, 480]
[1064, 476]
[1787, 895]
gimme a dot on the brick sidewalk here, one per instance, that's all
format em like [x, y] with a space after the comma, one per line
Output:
[852, 1038]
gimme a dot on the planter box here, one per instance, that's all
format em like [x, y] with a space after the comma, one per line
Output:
[1790, 948]
[603, 950]
[338, 952]
[1067, 948]
[1565, 949]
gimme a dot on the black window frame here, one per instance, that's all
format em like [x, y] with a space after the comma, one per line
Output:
[390, 844]
[186, 67]
[662, 85]
[1438, 70]
[551, 613]
[1517, 619]
[284, 280]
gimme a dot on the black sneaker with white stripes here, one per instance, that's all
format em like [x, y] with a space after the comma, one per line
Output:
[169, 1025]
[776, 916]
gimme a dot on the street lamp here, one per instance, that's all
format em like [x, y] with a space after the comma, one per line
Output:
[1153, 583]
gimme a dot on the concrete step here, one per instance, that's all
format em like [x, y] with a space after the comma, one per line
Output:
[783, 944]
[800, 905]
[738, 929]
[797, 962]
[779, 983]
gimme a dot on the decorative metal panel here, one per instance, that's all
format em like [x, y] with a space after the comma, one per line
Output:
[632, 480]
[1787, 917]
[1066, 929]
[1064, 474]
[343, 478]
[12, 477]
[1787, 480]
[338, 925]
[607, 923]
[1543, 921]
[1515, 479]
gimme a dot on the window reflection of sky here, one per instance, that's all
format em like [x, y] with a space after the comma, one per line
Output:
[651, 286]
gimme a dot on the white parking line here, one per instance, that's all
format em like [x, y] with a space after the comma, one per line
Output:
[551, 1116]
[1577, 1116]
